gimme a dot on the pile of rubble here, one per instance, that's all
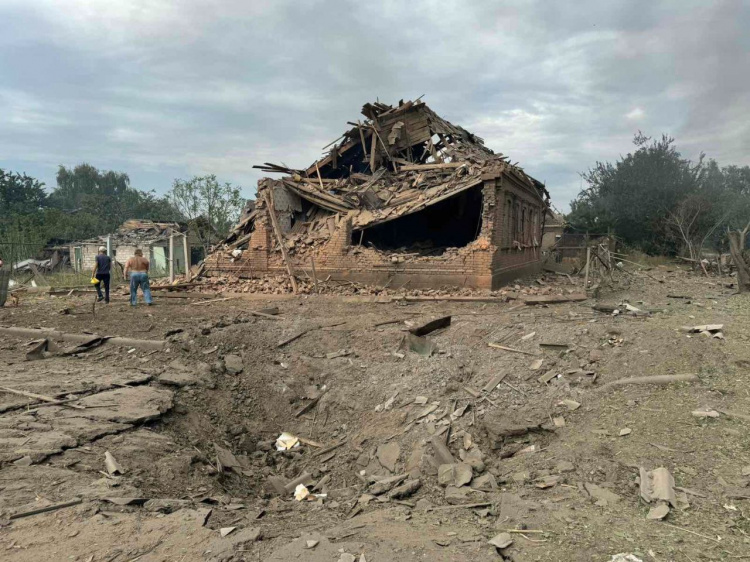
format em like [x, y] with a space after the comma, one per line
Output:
[280, 284]
[399, 161]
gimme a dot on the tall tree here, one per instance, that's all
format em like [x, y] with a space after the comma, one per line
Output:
[20, 194]
[634, 195]
[655, 199]
[210, 207]
[102, 200]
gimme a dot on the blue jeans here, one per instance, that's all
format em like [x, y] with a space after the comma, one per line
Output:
[139, 279]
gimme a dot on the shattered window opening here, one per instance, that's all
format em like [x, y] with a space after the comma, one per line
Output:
[452, 223]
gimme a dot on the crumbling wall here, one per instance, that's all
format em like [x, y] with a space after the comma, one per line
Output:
[404, 198]
[481, 264]
[518, 230]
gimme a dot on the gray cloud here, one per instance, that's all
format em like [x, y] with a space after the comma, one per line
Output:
[168, 89]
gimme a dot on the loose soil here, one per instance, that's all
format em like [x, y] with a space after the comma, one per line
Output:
[166, 416]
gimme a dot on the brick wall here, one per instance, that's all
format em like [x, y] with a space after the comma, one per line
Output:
[481, 264]
[88, 256]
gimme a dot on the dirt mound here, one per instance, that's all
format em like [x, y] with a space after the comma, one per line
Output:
[422, 452]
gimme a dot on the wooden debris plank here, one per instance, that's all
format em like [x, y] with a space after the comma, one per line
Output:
[657, 379]
[264, 315]
[496, 380]
[431, 326]
[553, 299]
[41, 397]
[46, 509]
[451, 299]
[461, 506]
[280, 239]
[310, 405]
[511, 349]
[330, 448]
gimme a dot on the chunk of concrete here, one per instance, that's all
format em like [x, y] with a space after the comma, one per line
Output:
[388, 455]
[233, 364]
[458, 496]
[137, 404]
[456, 474]
[485, 483]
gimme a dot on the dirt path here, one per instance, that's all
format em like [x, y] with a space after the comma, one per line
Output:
[551, 453]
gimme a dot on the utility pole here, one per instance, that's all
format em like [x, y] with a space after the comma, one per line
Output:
[171, 256]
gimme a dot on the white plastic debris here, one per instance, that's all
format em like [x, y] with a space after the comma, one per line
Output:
[624, 557]
[286, 441]
[301, 492]
[113, 467]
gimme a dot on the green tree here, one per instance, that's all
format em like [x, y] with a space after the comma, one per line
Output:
[21, 227]
[20, 194]
[101, 200]
[211, 208]
[634, 195]
[656, 200]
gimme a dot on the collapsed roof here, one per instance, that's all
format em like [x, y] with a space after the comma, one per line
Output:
[395, 162]
[139, 231]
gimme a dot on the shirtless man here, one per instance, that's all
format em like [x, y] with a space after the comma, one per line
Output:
[137, 267]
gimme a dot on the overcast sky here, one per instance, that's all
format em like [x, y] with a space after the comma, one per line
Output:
[169, 89]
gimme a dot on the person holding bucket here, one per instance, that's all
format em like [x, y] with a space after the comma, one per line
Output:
[102, 274]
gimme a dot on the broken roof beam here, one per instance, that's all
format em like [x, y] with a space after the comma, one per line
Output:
[366, 220]
[341, 153]
[436, 166]
[320, 198]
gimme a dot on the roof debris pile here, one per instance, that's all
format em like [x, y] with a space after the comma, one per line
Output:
[139, 231]
[398, 161]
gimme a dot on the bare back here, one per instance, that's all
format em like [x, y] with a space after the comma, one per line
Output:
[138, 264]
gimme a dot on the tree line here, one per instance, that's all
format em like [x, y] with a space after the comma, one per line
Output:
[87, 202]
[657, 201]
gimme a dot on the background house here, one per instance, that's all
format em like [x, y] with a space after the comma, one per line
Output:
[554, 225]
[151, 237]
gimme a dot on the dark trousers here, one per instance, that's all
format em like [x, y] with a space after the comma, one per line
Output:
[104, 280]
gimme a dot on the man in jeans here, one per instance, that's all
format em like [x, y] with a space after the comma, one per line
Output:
[102, 271]
[137, 266]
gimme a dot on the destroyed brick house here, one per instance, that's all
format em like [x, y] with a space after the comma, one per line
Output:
[403, 198]
[151, 237]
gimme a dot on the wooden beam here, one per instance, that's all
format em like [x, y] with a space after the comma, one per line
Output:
[372, 154]
[268, 197]
[418, 167]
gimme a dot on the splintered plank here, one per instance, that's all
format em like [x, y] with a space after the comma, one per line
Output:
[511, 349]
[554, 299]
[420, 167]
[431, 326]
[496, 380]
